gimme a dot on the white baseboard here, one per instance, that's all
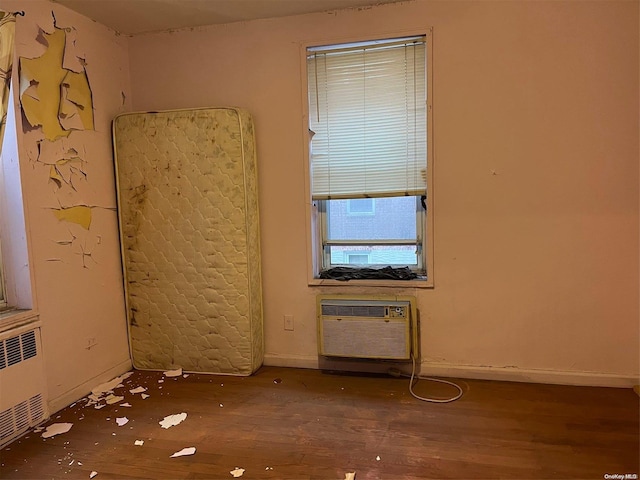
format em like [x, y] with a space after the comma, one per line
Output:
[73, 395]
[510, 374]
[292, 361]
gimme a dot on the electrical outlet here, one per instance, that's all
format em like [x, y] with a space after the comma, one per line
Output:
[288, 322]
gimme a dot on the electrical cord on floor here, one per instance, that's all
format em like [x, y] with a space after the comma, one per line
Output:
[415, 378]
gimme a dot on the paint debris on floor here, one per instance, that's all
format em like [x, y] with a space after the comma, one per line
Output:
[124, 393]
[113, 394]
[173, 420]
[56, 429]
[237, 472]
[185, 451]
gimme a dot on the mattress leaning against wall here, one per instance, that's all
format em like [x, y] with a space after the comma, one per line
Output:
[188, 212]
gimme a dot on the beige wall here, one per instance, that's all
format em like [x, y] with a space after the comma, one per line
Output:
[78, 296]
[536, 267]
[535, 168]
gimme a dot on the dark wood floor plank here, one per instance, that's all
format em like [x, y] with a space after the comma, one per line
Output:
[304, 424]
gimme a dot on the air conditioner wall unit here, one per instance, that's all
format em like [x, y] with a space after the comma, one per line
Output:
[368, 327]
[23, 402]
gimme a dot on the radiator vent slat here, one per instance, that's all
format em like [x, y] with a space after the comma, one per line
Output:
[13, 351]
[29, 349]
[36, 409]
[23, 402]
[18, 349]
[6, 424]
[21, 416]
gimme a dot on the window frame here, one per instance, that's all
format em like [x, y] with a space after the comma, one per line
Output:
[15, 253]
[314, 212]
[323, 214]
[3, 294]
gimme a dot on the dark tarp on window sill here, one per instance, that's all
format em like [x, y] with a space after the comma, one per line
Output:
[386, 273]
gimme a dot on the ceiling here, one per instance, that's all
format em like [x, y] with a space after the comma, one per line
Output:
[142, 16]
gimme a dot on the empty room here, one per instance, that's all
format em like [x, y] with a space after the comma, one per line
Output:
[320, 239]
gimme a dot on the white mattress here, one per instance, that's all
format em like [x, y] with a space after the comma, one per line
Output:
[188, 211]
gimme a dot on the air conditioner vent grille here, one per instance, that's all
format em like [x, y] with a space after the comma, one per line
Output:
[380, 327]
[376, 311]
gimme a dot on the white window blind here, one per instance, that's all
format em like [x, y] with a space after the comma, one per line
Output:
[367, 114]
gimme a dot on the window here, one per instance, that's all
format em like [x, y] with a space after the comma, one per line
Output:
[368, 153]
[7, 35]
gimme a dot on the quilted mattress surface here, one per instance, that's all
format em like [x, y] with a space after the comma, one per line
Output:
[188, 212]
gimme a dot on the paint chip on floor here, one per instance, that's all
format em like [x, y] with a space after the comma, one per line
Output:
[378, 458]
[57, 429]
[184, 451]
[145, 396]
[350, 476]
[137, 390]
[93, 474]
[172, 420]
[139, 443]
[237, 472]
[122, 421]
[173, 373]
[111, 399]
[110, 385]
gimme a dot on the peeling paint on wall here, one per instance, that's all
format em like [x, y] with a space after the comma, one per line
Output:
[76, 111]
[79, 214]
[55, 98]
[81, 241]
[67, 164]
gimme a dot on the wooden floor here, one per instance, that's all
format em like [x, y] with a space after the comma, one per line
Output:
[300, 424]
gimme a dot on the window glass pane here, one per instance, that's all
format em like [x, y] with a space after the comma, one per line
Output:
[377, 255]
[358, 258]
[361, 206]
[392, 218]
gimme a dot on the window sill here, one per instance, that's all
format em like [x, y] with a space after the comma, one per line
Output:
[12, 318]
[418, 283]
